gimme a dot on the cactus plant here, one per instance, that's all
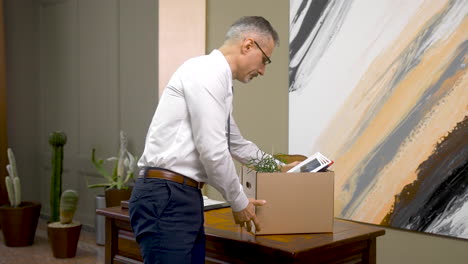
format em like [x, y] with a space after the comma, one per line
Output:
[68, 203]
[123, 170]
[64, 234]
[57, 140]
[12, 181]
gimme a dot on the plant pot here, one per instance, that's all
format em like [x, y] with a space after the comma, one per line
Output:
[64, 238]
[290, 158]
[20, 223]
[115, 196]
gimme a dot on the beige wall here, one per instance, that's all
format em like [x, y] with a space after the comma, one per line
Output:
[181, 35]
[261, 109]
[261, 106]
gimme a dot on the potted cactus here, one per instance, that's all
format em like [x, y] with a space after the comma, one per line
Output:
[64, 234]
[117, 185]
[19, 218]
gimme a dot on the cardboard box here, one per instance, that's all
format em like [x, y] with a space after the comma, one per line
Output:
[296, 202]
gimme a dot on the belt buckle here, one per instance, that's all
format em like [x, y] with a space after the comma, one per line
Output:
[200, 185]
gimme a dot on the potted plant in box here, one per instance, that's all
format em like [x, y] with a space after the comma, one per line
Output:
[64, 234]
[116, 187]
[19, 219]
[264, 163]
[272, 163]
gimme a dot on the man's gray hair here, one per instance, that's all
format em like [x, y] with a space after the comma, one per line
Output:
[252, 24]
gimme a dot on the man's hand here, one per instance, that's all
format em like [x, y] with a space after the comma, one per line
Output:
[246, 216]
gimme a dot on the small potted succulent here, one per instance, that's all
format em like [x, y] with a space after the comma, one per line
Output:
[117, 185]
[64, 234]
[19, 218]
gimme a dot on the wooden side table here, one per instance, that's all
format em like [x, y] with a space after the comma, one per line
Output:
[226, 242]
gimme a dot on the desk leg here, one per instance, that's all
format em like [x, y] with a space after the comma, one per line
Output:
[370, 256]
[111, 241]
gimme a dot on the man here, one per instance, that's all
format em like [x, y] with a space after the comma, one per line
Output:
[192, 140]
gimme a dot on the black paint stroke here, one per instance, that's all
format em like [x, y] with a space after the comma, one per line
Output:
[441, 178]
[311, 18]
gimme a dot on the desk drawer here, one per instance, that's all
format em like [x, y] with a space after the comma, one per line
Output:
[127, 245]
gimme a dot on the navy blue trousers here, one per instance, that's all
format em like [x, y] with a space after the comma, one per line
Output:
[167, 220]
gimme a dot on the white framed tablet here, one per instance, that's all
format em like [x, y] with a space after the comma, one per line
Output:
[314, 163]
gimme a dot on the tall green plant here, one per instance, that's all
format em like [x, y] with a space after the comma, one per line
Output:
[12, 181]
[57, 140]
[123, 169]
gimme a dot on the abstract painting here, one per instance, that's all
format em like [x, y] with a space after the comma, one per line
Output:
[381, 88]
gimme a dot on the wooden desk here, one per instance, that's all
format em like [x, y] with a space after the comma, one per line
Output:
[227, 243]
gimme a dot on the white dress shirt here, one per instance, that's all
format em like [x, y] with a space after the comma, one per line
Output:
[188, 133]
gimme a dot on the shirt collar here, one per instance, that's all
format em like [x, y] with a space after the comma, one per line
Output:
[219, 55]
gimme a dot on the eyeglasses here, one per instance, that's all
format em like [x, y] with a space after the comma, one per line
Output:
[266, 59]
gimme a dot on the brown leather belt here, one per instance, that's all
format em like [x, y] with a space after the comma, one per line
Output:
[170, 176]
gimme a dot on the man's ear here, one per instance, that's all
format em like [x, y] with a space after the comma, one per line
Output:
[247, 45]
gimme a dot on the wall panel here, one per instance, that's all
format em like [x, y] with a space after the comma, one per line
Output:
[92, 85]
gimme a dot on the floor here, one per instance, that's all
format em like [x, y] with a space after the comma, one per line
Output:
[88, 251]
